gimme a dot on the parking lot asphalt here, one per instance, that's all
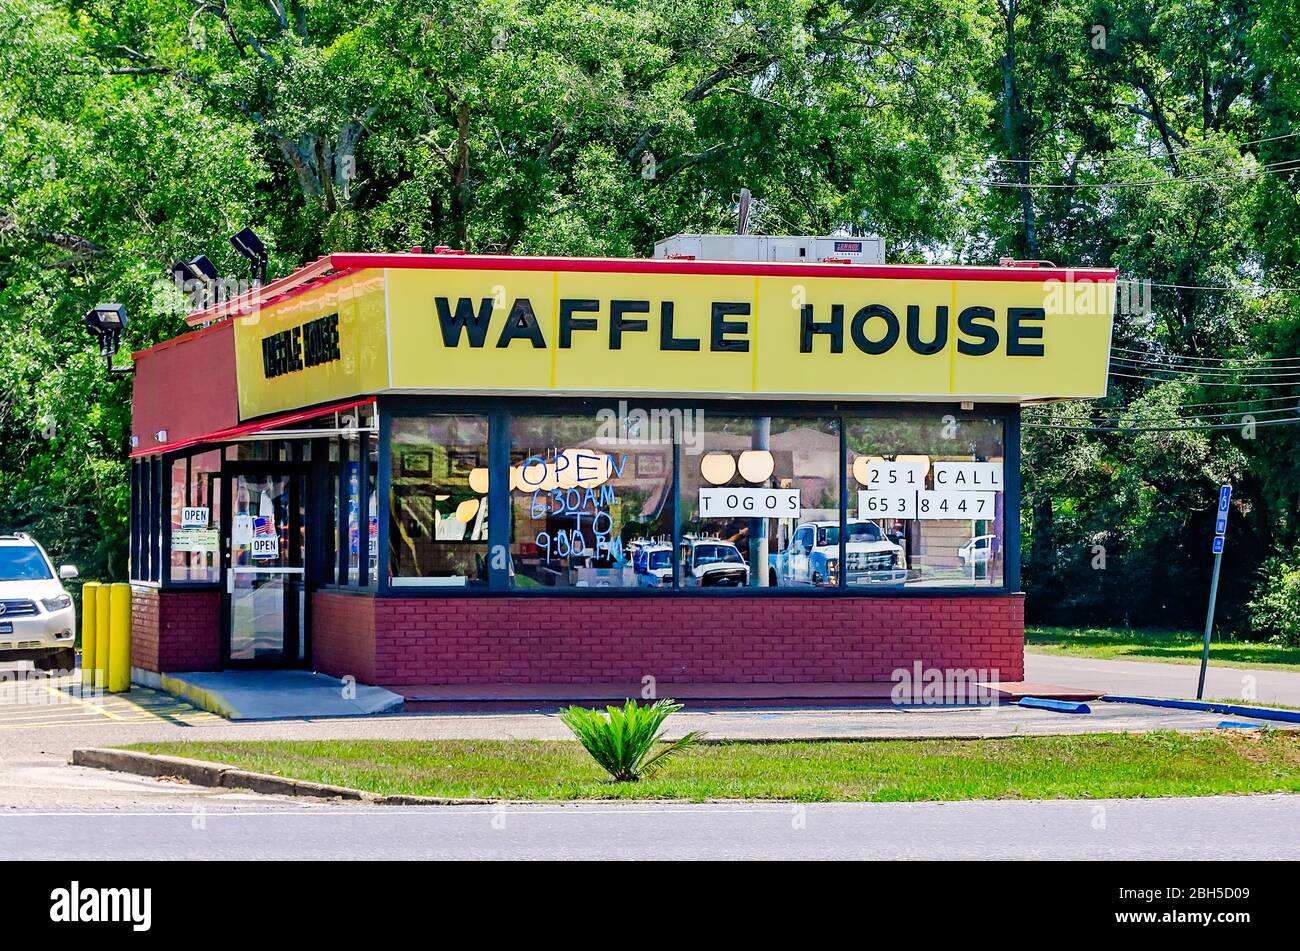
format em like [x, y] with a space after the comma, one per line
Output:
[41, 724]
[1142, 679]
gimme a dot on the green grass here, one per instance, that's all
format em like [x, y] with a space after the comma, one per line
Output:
[1170, 647]
[1093, 766]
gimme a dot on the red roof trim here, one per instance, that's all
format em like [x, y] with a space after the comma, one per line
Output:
[916, 272]
[259, 296]
[182, 338]
[333, 266]
[261, 425]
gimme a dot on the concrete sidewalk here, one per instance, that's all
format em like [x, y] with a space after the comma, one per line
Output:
[276, 694]
[1136, 678]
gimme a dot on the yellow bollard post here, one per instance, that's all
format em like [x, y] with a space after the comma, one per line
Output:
[119, 638]
[99, 679]
[89, 594]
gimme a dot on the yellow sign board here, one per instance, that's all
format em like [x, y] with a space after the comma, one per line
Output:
[325, 343]
[769, 333]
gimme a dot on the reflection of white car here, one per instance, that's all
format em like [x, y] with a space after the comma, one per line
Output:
[713, 563]
[976, 551]
[706, 563]
[653, 563]
[813, 556]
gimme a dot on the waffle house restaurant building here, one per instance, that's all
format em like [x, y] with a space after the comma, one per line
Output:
[444, 469]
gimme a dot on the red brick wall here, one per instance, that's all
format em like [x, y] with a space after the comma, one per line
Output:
[676, 640]
[175, 630]
[343, 635]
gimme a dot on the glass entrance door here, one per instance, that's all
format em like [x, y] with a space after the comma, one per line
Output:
[265, 557]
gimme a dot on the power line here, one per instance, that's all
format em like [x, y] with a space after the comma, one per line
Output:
[1158, 429]
[1034, 410]
[1212, 369]
[1193, 373]
[1164, 379]
[1211, 287]
[1258, 399]
[1276, 168]
[1221, 372]
[1134, 154]
[1149, 417]
[1142, 353]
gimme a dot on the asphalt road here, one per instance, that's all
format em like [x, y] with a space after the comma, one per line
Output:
[1254, 827]
[1135, 678]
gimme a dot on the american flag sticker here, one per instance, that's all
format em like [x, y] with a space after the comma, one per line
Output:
[266, 542]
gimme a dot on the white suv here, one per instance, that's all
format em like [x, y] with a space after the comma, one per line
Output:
[37, 619]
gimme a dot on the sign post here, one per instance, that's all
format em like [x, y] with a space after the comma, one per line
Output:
[1220, 530]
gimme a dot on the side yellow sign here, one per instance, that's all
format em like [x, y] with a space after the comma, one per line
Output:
[324, 344]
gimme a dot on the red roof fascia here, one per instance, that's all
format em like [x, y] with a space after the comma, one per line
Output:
[257, 426]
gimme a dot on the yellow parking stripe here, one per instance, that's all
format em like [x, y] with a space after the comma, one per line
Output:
[61, 696]
[68, 709]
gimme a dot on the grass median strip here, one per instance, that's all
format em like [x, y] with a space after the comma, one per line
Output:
[1049, 767]
[1169, 647]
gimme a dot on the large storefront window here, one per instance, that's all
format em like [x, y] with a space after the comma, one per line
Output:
[147, 506]
[196, 518]
[591, 500]
[438, 524]
[934, 486]
[358, 542]
[760, 503]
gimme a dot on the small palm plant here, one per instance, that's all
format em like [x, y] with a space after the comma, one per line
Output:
[621, 740]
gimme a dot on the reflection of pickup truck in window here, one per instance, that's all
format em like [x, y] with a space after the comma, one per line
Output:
[813, 555]
[653, 564]
[713, 562]
[706, 562]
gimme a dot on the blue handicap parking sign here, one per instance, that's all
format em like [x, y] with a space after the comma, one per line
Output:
[1221, 525]
[1225, 496]
[1218, 545]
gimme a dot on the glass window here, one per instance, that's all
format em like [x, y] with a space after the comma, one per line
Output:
[438, 529]
[760, 503]
[146, 514]
[195, 518]
[591, 499]
[330, 570]
[23, 563]
[934, 488]
[352, 496]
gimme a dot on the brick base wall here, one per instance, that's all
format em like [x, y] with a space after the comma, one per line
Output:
[343, 635]
[175, 630]
[676, 640]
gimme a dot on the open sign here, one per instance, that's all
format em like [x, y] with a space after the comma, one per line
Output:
[266, 547]
[194, 516]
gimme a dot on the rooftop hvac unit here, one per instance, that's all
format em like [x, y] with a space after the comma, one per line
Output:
[760, 247]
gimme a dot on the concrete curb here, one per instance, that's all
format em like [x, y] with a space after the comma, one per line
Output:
[1211, 706]
[218, 775]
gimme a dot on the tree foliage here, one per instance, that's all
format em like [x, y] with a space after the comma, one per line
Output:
[1157, 137]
